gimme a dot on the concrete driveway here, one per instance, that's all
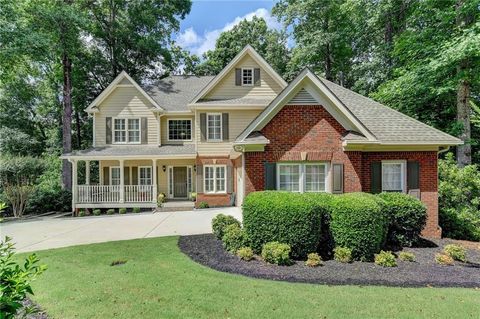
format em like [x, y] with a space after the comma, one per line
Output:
[61, 232]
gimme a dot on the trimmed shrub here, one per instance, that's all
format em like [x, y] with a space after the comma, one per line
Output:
[407, 217]
[136, 210]
[342, 254]
[290, 218]
[245, 253]
[406, 256]
[385, 259]
[234, 238]
[456, 252]
[313, 260]
[122, 210]
[203, 205]
[276, 253]
[357, 222]
[220, 222]
[81, 213]
[97, 212]
[443, 259]
[110, 211]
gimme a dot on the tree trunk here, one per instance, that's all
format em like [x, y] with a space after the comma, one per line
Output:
[67, 120]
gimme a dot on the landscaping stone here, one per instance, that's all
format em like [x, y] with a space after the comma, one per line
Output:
[207, 250]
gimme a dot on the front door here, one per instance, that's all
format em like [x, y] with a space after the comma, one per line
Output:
[180, 182]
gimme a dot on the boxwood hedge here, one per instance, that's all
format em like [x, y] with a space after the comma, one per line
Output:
[285, 217]
[358, 222]
[407, 217]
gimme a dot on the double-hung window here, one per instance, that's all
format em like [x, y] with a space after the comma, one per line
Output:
[214, 126]
[114, 175]
[296, 177]
[215, 178]
[247, 77]
[145, 175]
[393, 176]
[179, 130]
[126, 130]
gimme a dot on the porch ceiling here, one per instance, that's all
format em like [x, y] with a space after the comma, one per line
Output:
[134, 151]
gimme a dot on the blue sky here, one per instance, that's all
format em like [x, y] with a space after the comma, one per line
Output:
[208, 18]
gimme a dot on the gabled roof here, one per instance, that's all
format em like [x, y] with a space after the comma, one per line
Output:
[373, 123]
[247, 50]
[93, 107]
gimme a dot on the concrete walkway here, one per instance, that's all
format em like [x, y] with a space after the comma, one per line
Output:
[48, 233]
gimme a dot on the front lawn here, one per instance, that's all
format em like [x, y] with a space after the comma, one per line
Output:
[158, 281]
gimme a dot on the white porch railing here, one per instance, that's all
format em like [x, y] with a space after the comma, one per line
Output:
[112, 194]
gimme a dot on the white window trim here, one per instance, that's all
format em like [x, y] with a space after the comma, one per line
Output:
[403, 172]
[303, 179]
[151, 175]
[253, 76]
[110, 175]
[215, 179]
[221, 128]
[179, 119]
[126, 130]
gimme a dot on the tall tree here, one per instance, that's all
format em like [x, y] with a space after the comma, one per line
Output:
[269, 43]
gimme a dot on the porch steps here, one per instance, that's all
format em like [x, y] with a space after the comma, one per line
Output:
[176, 206]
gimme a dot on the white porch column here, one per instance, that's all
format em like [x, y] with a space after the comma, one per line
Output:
[154, 179]
[122, 182]
[74, 183]
[87, 172]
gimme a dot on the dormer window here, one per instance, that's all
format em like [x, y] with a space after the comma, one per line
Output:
[126, 131]
[247, 77]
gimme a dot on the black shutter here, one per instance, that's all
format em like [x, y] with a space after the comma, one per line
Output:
[337, 178]
[376, 177]
[126, 175]
[413, 175]
[225, 128]
[256, 77]
[238, 76]
[270, 176]
[203, 126]
[144, 132]
[108, 130]
[199, 179]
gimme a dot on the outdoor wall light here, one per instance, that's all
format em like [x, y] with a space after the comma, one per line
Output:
[164, 168]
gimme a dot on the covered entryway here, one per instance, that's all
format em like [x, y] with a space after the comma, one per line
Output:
[179, 182]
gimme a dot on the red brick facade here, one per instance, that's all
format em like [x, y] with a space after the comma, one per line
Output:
[310, 133]
[214, 200]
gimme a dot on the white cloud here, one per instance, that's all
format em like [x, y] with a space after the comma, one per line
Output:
[199, 44]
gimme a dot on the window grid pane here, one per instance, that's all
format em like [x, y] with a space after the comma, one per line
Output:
[247, 76]
[392, 177]
[209, 179]
[115, 178]
[145, 176]
[315, 178]
[120, 133]
[134, 130]
[220, 179]
[214, 127]
[290, 178]
[179, 130]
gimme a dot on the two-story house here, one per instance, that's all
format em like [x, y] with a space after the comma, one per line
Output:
[245, 130]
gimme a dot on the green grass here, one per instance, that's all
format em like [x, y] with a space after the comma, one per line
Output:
[158, 281]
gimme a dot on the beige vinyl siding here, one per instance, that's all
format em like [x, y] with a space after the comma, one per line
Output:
[226, 88]
[125, 102]
[238, 121]
[162, 181]
[164, 129]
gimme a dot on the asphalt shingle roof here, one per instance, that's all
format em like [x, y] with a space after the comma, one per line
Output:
[136, 150]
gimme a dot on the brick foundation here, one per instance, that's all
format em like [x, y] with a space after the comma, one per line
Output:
[299, 132]
[215, 200]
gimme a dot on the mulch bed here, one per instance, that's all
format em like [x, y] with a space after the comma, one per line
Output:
[207, 250]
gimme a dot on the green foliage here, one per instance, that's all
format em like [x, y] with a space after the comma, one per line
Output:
[220, 223]
[459, 200]
[203, 205]
[407, 217]
[276, 253]
[110, 211]
[97, 212]
[358, 222]
[82, 213]
[313, 260]
[385, 259]
[136, 210]
[286, 217]
[342, 254]
[245, 253]
[443, 259]
[161, 199]
[122, 210]
[457, 252]
[234, 238]
[17, 143]
[406, 256]
[15, 280]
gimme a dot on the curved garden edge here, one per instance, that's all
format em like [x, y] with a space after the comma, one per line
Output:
[207, 250]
